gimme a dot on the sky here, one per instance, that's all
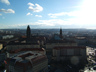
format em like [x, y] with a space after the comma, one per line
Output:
[43, 14]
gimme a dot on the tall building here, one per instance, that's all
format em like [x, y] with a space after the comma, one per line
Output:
[60, 33]
[28, 32]
[28, 61]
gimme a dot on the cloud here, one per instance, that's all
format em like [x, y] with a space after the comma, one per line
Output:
[29, 14]
[30, 4]
[55, 15]
[42, 23]
[7, 11]
[35, 8]
[5, 1]
[53, 22]
[49, 23]
[38, 15]
[56, 23]
[0, 14]
[23, 25]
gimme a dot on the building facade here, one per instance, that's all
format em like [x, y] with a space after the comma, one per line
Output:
[50, 46]
[21, 46]
[28, 61]
[1, 46]
[74, 54]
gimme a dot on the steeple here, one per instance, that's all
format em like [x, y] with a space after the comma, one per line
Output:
[61, 32]
[28, 32]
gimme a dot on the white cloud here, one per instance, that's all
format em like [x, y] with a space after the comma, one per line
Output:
[7, 11]
[30, 4]
[5, 1]
[38, 15]
[35, 8]
[55, 15]
[57, 22]
[54, 22]
[0, 14]
[42, 23]
[29, 14]
[22, 24]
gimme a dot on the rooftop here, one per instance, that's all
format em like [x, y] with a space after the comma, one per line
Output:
[17, 42]
[27, 58]
[69, 47]
[26, 49]
[80, 38]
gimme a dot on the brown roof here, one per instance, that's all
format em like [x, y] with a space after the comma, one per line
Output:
[38, 59]
[23, 37]
[26, 55]
[27, 49]
[35, 61]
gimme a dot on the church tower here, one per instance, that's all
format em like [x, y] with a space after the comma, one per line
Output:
[28, 32]
[60, 33]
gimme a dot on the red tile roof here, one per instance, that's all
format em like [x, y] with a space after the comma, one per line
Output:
[27, 49]
[23, 37]
[25, 63]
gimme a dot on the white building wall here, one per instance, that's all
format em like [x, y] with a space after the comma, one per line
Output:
[7, 36]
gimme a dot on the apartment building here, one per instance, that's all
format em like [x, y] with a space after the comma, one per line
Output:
[28, 61]
[74, 54]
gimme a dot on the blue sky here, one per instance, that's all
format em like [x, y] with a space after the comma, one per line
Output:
[47, 14]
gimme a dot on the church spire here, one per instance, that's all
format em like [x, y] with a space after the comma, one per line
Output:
[61, 32]
[28, 32]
